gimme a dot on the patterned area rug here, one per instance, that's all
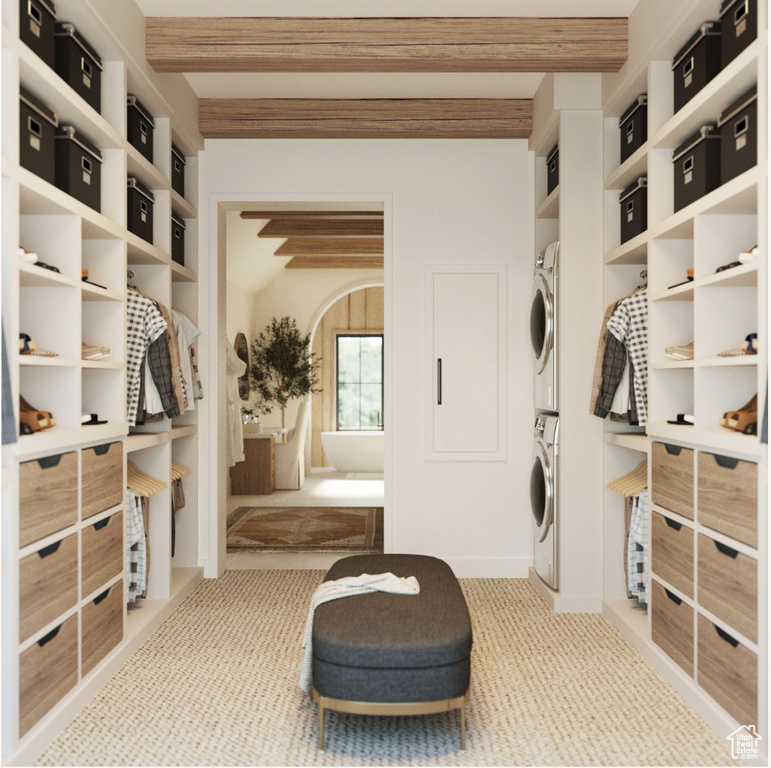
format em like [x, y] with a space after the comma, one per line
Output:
[306, 529]
[216, 684]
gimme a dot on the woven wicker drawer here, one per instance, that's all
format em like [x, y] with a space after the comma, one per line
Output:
[47, 670]
[672, 478]
[728, 672]
[101, 626]
[728, 585]
[101, 478]
[672, 552]
[48, 585]
[48, 496]
[672, 626]
[102, 552]
[728, 496]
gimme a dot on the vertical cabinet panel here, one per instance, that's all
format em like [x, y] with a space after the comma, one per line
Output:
[465, 363]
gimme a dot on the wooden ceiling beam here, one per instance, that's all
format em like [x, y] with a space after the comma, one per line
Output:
[322, 228]
[309, 214]
[335, 262]
[507, 44]
[365, 118]
[328, 246]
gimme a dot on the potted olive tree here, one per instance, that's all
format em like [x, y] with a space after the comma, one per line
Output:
[282, 367]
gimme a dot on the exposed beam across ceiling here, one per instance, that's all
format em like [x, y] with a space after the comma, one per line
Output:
[308, 214]
[328, 246]
[365, 118]
[315, 228]
[198, 44]
[336, 262]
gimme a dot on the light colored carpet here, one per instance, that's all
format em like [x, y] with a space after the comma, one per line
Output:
[217, 685]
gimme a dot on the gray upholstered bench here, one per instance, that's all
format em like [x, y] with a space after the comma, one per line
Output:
[385, 654]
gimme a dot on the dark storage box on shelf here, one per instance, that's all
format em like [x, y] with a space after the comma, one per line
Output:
[696, 63]
[37, 134]
[739, 136]
[36, 27]
[697, 166]
[633, 127]
[553, 169]
[140, 127]
[177, 238]
[78, 167]
[177, 171]
[140, 210]
[634, 209]
[739, 20]
[78, 64]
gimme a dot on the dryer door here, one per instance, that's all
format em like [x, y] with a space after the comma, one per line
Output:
[542, 493]
[541, 323]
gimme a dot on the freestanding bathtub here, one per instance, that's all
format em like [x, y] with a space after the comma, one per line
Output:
[354, 451]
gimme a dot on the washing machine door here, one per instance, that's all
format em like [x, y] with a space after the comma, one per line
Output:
[542, 493]
[541, 323]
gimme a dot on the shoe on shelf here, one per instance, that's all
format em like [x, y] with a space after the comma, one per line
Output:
[28, 346]
[745, 420]
[28, 257]
[32, 420]
[93, 351]
[748, 347]
[749, 256]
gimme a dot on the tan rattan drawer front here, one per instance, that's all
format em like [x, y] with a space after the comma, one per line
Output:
[672, 626]
[102, 552]
[47, 670]
[48, 585]
[728, 672]
[672, 478]
[728, 497]
[48, 496]
[672, 552]
[102, 626]
[102, 478]
[728, 585]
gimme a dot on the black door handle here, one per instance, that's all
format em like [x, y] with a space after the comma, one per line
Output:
[438, 380]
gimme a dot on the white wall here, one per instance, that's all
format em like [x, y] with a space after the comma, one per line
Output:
[452, 201]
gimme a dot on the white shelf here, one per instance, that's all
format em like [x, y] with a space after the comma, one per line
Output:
[666, 364]
[744, 276]
[634, 251]
[631, 440]
[185, 431]
[728, 362]
[139, 166]
[630, 613]
[180, 274]
[714, 439]
[103, 365]
[182, 207]
[57, 438]
[146, 440]
[550, 207]
[93, 293]
[47, 362]
[682, 292]
[32, 276]
[633, 167]
[705, 107]
[141, 252]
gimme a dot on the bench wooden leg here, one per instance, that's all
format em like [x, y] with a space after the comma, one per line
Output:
[321, 724]
[463, 724]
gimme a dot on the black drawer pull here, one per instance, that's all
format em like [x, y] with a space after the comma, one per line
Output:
[50, 636]
[673, 597]
[100, 450]
[726, 550]
[101, 524]
[50, 461]
[673, 450]
[49, 550]
[673, 524]
[732, 640]
[98, 599]
[729, 462]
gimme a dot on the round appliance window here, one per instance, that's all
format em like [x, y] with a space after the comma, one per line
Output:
[538, 492]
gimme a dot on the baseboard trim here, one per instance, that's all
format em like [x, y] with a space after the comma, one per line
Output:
[38, 739]
[488, 569]
[559, 604]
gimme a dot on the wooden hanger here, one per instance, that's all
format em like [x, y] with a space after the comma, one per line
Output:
[632, 483]
[142, 483]
[179, 471]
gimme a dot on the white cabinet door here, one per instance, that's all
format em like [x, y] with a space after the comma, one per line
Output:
[465, 359]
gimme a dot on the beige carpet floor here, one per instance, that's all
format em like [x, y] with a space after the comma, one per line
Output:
[217, 685]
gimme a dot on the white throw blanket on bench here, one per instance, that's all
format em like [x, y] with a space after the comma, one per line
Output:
[348, 586]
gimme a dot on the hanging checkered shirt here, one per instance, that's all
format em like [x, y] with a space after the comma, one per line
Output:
[144, 324]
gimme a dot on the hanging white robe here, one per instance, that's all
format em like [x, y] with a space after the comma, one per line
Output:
[234, 369]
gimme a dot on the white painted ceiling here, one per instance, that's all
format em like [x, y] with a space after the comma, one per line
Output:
[356, 85]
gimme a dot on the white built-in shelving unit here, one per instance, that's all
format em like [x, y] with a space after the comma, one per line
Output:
[716, 310]
[59, 311]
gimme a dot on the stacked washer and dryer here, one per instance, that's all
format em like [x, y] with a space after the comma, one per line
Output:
[544, 474]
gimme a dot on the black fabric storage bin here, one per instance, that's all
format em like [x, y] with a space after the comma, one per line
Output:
[177, 239]
[634, 209]
[633, 127]
[177, 171]
[739, 21]
[78, 167]
[78, 64]
[739, 136]
[140, 127]
[37, 133]
[553, 169]
[140, 210]
[36, 27]
[697, 166]
[696, 63]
